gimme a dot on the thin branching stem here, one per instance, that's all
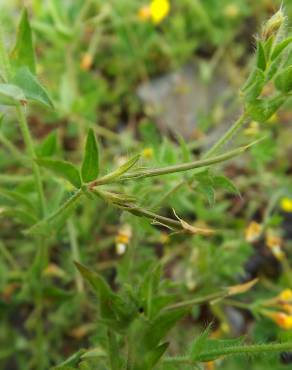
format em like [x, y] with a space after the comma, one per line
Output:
[235, 350]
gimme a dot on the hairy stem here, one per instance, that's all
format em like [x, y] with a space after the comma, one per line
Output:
[196, 301]
[172, 169]
[235, 350]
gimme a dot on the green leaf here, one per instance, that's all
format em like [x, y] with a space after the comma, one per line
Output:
[49, 145]
[268, 46]
[90, 165]
[160, 326]
[11, 95]
[186, 152]
[225, 183]
[261, 56]
[102, 289]
[23, 52]
[211, 349]
[62, 169]
[200, 343]
[154, 356]
[17, 198]
[283, 80]
[119, 171]
[254, 88]
[21, 215]
[71, 361]
[149, 133]
[31, 87]
[262, 109]
[149, 288]
[281, 47]
[205, 186]
[54, 222]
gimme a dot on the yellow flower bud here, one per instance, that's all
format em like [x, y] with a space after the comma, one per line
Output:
[281, 319]
[273, 25]
[122, 239]
[144, 13]
[253, 231]
[273, 241]
[86, 62]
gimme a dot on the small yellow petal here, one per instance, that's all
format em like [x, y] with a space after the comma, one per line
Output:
[286, 204]
[252, 129]
[281, 319]
[273, 241]
[86, 62]
[147, 153]
[144, 13]
[231, 11]
[253, 231]
[286, 295]
[159, 10]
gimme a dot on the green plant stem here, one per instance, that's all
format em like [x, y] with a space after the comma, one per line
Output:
[138, 211]
[13, 179]
[65, 206]
[75, 252]
[227, 136]
[172, 169]
[248, 349]
[31, 152]
[218, 145]
[199, 300]
[12, 149]
[238, 304]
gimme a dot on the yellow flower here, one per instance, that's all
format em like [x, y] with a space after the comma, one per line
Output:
[287, 308]
[253, 231]
[86, 62]
[122, 239]
[281, 319]
[144, 13]
[285, 295]
[157, 10]
[231, 11]
[252, 129]
[164, 238]
[147, 153]
[286, 204]
[53, 270]
[273, 241]
[210, 365]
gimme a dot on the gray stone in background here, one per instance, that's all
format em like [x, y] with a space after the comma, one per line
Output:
[176, 100]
